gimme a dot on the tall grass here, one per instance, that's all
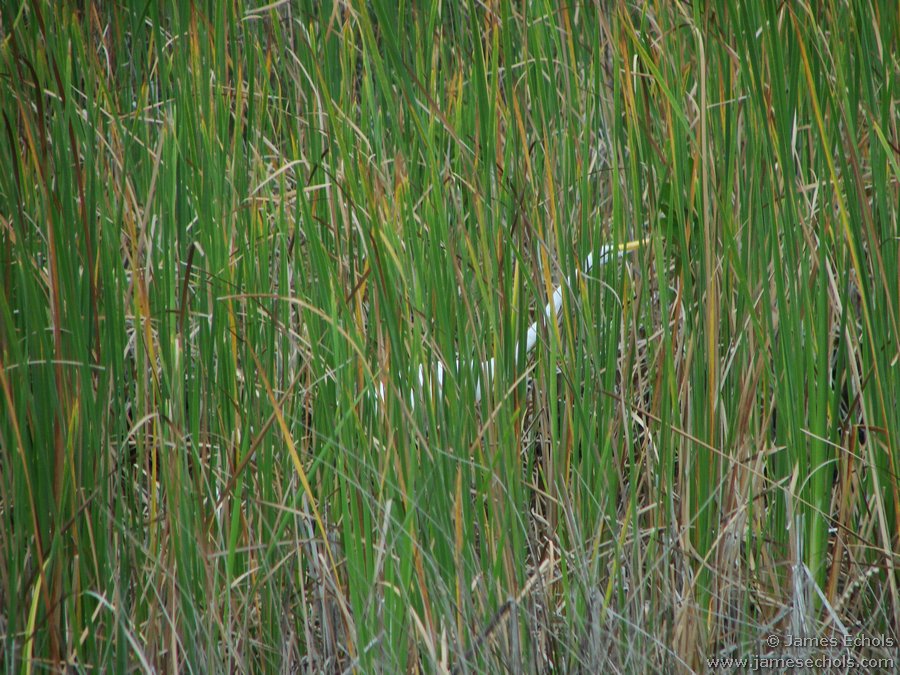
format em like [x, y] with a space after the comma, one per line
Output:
[226, 226]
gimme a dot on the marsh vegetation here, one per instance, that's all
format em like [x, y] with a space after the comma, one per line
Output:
[226, 226]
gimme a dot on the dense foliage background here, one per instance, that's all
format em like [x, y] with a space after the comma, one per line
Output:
[224, 226]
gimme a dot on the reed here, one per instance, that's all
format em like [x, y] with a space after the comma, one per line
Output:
[225, 226]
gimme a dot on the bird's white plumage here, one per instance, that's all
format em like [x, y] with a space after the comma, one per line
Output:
[551, 311]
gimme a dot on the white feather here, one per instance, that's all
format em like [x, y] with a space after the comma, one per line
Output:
[551, 311]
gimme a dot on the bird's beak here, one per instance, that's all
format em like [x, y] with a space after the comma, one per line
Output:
[633, 245]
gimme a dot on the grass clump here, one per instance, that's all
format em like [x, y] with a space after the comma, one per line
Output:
[232, 234]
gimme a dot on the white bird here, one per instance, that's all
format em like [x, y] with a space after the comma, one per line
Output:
[605, 255]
